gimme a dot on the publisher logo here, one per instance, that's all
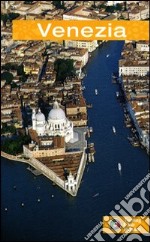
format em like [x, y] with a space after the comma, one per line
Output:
[115, 224]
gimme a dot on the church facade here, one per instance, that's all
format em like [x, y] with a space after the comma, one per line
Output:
[56, 124]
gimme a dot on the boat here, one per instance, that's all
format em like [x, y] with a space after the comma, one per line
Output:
[114, 130]
[91, 129]
[89, 157]
[135, 143]
[92, 158]
[97, 194]
[114, 75]
[89, 105]
[107, 55]
[119, 166]
[82, 75]
[117, 94]
[96, 91]
[83, 88]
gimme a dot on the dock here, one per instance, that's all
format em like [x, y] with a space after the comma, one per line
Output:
[34, 171]
[91, 151]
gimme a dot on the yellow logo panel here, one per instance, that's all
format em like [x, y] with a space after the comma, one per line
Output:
[126, 224]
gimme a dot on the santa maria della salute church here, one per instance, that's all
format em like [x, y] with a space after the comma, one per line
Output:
[56, 125]
[57, 149]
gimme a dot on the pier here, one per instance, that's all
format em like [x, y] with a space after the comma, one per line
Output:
[91, 152]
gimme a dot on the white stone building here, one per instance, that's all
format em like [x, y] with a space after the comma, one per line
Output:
[142, 46]
[56, 125]
[139, 68]
[87, 44]
[113, 3]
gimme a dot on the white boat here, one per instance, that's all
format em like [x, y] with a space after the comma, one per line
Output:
[91, 129]
[114, 130]
[97, 194]
[119, 166]
[107, 55]
[89, 158]
[96, 91]
[92, 158]
[117, 94]
[83, 88]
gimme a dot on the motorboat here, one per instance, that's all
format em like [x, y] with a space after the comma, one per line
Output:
[83, 88]
[117, 94]
[96, 195]
[114, 130]
[107, 55]
[96, 92]
[119, 166]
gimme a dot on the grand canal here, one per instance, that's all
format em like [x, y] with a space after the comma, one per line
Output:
[70, 218]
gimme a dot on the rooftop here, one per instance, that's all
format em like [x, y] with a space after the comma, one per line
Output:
[63, 164]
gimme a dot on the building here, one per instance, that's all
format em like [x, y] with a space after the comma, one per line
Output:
[142, 46]
[113, 3]
[77, 54]
[90, 45]
[127, 68]
[139, 13]
[81, 13]
[56, 125]
[56, 149]
[134, 70]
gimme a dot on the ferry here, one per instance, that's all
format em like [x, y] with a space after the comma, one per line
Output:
[119, 166]
[96, 91]
[114, 130]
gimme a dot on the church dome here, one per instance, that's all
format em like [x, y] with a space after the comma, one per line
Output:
[40, 116]
[56, 113]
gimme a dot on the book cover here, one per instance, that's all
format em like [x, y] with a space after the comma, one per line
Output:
[75, 121]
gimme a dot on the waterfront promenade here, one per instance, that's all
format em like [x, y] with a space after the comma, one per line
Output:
[14, 157]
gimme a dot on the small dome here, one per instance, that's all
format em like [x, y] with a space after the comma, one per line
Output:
[40, 116]
[56, 113]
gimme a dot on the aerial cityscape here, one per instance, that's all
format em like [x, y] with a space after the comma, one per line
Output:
[74, 122]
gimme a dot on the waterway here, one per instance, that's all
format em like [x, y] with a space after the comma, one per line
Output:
[71, 218]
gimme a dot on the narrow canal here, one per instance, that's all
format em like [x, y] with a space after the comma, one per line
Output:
[63, 218]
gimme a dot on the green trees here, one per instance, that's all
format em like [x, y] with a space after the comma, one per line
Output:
[8, 129]
[9, 16]
[112, 9]
[15, 146]
[119, 7]
[7, 76]
[64, 68]
[13, 66]
[59, 4]
[28, 2]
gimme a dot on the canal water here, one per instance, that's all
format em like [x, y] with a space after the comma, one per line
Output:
[71, 218]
